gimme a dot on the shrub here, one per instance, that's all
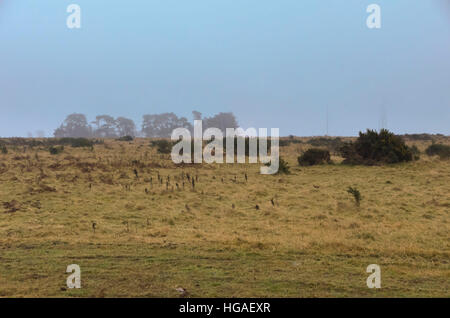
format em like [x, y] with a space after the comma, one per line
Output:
[56, 150]
[443, 151]
[76, 142]
[356, 195]
[126, 138]
[376, 148]
[163, 146]
[314, 156]
[4, 149]
[415, 152]
[283, 167]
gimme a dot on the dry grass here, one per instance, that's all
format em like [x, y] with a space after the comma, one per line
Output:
[212, 240]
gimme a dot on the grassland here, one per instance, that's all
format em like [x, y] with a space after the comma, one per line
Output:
[212, 240]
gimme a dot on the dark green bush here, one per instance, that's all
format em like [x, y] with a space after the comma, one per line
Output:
[356, 195]
[126, 138]
[4, 149]
[56, 150]
[163, 146]
[415, 152]
[376, 148]
[283, 167]
[76, 142]
[443, 151]
[314, 156]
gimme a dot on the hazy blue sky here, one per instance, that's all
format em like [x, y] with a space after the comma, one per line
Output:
[273, 63]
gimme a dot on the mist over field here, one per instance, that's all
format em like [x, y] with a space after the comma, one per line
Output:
[284, 65]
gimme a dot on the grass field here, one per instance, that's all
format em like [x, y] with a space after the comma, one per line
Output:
[212, 240]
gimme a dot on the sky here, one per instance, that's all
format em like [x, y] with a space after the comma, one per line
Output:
[274, 64]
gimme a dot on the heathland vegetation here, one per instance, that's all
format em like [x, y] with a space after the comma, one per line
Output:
[140, 225]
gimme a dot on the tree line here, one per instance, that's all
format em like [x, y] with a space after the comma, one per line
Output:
[153, 125]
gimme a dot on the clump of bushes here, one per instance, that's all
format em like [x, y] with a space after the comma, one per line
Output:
[4, 149]
[443, 151]
[163, 146]
[76, 142]
[314, 156]
[376, 148]
[47, 142]
[17, 141]
[56, 150]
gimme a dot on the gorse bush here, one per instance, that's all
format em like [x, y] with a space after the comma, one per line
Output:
[76, 142]
[56, 150]
[443, 151]
[163, 146]
[314, 156]
[415, 152]
[125, 138]
[376, 148]
[356, 195]
[283, 167]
